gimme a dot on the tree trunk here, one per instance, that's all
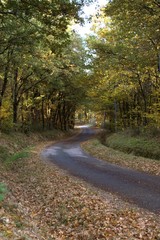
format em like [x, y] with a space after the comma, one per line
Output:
[144, 100]
[42, 112]
[15, 96]
[4, 86]
[115, 115]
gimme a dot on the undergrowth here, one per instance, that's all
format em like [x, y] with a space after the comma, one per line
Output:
[16, 145]
[19, 155]
[138, 145]
[4, 154]
[3, 190]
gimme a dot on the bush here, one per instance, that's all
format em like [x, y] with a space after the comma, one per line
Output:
[110, 127]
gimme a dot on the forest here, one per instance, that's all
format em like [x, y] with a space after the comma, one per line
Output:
[50, 76]
[59, 180]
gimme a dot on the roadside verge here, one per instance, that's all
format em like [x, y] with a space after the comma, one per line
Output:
[45, 203]
[98, 150]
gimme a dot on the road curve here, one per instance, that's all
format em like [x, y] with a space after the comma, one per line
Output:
[139, 188]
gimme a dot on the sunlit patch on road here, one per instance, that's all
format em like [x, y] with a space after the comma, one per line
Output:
[75, 152]
[52, 151]
[83, 126]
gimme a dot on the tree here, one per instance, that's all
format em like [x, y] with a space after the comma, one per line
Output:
[126, 51]
[32, 33]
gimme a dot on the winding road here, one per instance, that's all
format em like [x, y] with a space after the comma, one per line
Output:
[139, 188]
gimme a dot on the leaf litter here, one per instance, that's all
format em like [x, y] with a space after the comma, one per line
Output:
[96, 149]
[44, 202]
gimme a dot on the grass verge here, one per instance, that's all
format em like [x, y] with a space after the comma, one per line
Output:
[139, 146]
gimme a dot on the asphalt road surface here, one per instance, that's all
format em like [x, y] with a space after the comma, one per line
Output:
[139, 188]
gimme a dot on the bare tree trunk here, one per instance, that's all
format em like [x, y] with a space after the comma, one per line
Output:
[42, 112]
[144, 100]
[15, 96]
[4, 85]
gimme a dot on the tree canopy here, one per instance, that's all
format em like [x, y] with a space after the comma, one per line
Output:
[41, 64]
[126, 61]
[47, 73]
